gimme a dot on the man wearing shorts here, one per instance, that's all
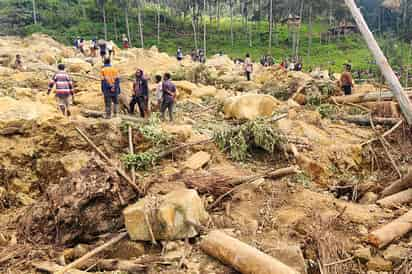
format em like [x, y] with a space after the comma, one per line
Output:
[64, 89]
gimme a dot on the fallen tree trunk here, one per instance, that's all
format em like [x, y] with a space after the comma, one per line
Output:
[100, 114]
[242, 257]
[396, 199]
[399, 185]
[53, 268]
[119, 265]
[365, 97]
[392, 231]
[92, 253]
[365, 120]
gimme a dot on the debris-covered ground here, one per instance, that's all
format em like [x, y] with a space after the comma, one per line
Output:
[282, 163]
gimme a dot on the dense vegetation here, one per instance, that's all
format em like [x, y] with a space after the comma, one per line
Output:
[232, 26]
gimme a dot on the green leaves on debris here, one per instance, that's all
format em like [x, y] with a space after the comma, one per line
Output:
[239, 141]
[153, 135]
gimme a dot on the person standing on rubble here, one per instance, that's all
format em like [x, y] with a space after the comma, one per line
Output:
[159, 90]
[110, 48]
[179, 54]
[103, 49]
[248, 67]
[140, 95]
[110, 85]
[64, 89]
[346, 80]
[125, 41]
[169, 96]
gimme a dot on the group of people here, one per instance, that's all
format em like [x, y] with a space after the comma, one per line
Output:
[267, 61]
[198, 55]
[110, 87]
[292, 65]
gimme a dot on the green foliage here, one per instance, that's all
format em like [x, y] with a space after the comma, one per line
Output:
[239, 141]
[141, 161]
[327, 110]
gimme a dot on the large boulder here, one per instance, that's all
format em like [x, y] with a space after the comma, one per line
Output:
[250, 106]
[77, 65]
[168, 216]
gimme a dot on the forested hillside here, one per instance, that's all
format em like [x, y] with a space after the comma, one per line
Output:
[232, 26]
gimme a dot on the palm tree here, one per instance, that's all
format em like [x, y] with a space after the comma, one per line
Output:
[101, 5]
[34, 12]
[125, 4]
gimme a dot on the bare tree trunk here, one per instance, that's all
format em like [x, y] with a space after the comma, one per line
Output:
[298, 31]
[218, 15]
[270, 23]
[204, 27]
[194, 26]
[104, 22]
[310, 33]
[126, 18]
[232, 38]
[116, 34]
[34, 12]
[139, 18]
[158, 22]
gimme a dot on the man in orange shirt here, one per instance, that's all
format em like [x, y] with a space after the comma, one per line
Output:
[110, 88]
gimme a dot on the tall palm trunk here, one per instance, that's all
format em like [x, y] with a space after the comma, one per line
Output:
[139, 19]
[34, 12]
[158, 22]
[310, 30]
[126, 18]
[232, 38]
[104, 22]
[194, 26]
[204, 28]
[298, 31]
[270, 23]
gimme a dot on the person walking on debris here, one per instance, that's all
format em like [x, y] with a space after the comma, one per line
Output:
[110, 48]
[64, 89]
[125, 41]
[159, 90]
[169, 96]
[110, 85]
[248, 67]
[93, 48]
[81, 46]
[103, 49]
[179, 54]
[346, 80]
[202, 57]
[194, 55]
[140, 95]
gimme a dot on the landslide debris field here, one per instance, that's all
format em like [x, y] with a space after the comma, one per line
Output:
[317, 182]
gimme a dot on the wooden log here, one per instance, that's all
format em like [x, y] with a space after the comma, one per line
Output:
[122, 265]
[52, 267]
[131, 150]
[399, 185]
[92, 253]
[396, 199]
[365, 97]
[365, 120]
[392, 231]
[382, 62]
[242, 257]
[100, 114]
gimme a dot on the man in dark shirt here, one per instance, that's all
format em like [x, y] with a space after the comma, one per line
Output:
[140, 95]
[169, 96]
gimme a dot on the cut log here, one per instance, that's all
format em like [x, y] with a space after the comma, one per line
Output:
[399, 185]
[53, 268]
[396, 199]
[122, 265]
[382, 62]
[365, 120]
[392, 231]
[242, 257]
[365, 97]
[92, 253]
[100, 114]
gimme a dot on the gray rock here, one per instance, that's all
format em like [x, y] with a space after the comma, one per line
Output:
[363, 254]
[396, 254]
[379, 264]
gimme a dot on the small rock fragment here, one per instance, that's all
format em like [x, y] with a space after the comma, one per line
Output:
[363, 254]
[379, 264]
[197, 160]
[369, 198]
[396, 254]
